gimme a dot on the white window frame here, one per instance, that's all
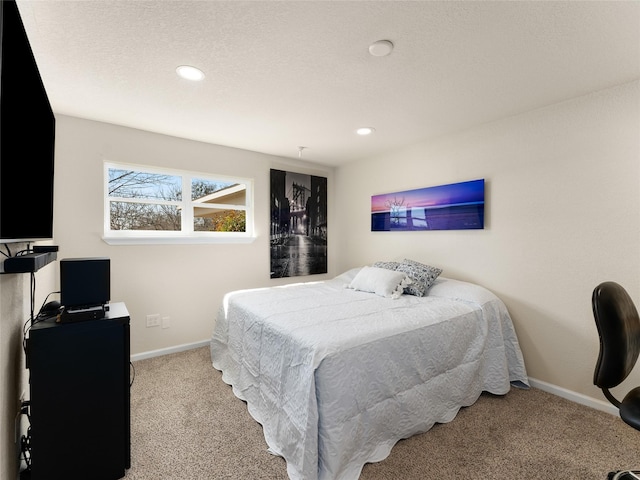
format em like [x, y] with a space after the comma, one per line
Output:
[187, 235]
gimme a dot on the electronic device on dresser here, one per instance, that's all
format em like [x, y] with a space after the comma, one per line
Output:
[85, 288]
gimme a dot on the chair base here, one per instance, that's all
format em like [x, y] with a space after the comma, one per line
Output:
[624, 475]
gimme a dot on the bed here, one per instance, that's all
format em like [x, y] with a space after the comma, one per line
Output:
[337, 375]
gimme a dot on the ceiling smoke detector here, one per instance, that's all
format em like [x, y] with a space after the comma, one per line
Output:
[381, 48]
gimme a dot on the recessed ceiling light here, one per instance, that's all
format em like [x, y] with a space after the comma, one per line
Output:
[381, 48]
[365, 130]
[190, 73]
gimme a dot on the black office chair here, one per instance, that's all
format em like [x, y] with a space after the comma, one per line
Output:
[619, 330]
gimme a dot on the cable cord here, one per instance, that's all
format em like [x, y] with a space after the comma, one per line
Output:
[31, 321]
[25, 440]
[132, 377]
[40, 316]
[33, 294]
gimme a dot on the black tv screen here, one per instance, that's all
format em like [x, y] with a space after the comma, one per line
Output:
[27, 137]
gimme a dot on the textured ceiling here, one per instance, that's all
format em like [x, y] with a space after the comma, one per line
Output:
[284, 74]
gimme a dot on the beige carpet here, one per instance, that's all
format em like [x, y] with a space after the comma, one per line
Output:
[187, 424]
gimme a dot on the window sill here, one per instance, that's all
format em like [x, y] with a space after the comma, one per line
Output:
[171, 240]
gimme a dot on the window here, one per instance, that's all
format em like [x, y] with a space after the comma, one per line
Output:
[154, 205]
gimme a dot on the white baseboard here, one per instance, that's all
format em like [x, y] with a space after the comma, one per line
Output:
[169, 350]
[574, 396]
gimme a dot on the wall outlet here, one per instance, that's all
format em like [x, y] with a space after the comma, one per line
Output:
[153, 320]
[166, 322]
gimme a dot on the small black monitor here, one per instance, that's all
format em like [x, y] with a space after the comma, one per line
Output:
[85, 282]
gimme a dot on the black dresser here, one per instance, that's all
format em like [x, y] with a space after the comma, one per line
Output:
[79, 392]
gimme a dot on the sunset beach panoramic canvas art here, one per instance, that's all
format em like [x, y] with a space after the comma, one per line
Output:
[456, 206]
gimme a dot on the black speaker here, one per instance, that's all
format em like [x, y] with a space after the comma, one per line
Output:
[85, 282]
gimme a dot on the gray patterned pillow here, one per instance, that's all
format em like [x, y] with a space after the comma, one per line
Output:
[422, 276]
[387, 265]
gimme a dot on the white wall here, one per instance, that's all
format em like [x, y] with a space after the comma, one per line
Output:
[562, 215]
[184, 282]
[12, 365]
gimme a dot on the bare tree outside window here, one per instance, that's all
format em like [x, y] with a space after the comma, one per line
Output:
[141, 215]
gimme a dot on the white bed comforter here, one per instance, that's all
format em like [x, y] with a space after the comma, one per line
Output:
[336, 377]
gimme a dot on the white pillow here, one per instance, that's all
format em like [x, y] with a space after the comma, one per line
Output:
[381, 281]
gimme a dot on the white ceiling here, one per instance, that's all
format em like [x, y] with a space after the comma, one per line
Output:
[284, 74]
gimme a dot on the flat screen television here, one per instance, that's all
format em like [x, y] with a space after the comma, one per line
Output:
[27, 137]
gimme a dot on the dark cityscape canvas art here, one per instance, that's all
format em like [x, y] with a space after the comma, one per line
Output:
[298, 230]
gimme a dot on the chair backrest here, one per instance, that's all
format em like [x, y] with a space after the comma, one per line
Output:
[619, 329]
